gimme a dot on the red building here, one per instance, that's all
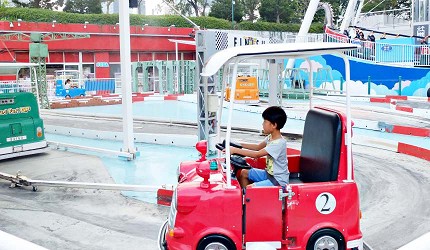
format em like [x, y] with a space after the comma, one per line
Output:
[99, 54]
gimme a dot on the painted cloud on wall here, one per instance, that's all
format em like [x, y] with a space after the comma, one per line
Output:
[417, 87]
[422, 91]
[404, 85]
[315, 66]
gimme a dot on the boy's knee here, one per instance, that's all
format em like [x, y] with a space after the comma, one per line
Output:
[244, 173]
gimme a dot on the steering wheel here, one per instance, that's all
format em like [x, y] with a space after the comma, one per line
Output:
[237, 161]
[221, 146]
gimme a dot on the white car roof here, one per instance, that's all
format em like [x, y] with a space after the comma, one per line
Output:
[273, 51]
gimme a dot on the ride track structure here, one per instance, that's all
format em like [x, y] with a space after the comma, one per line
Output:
[20, 180]
[38, 54]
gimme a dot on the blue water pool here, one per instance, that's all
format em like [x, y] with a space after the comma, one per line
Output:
[156, 165]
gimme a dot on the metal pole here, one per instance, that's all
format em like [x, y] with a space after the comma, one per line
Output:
[348, 117]
[177, 69]
[341, 84]
[348, 15]
[230, 115]
[311, 83]
[368, 85]
[80, 69]
[127, 110]
[273, 86]
[357, 14]
[232, 13]
[400, 85]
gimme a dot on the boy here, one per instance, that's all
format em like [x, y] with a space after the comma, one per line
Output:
[274, 147]
[67, 84]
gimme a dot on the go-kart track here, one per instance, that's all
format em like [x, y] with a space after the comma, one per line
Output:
[393, 187]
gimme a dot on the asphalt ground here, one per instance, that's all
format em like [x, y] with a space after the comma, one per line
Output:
[70, 218]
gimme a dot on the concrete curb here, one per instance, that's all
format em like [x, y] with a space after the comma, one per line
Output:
[109, 99]
[415, 151]
[161, 139]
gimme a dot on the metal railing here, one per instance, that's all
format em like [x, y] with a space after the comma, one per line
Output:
[384, 53]
[16, 86]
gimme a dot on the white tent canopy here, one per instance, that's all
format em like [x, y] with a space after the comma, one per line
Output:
[273, 51]
[188, 42]
[13, 68]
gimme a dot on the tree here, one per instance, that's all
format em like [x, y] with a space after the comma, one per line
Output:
[43, 4]
[83, 6]
[285, 11]
[108, 3]
[249, 8]
[4, 3]
[190, 7]
[373, 5]
[222, 9]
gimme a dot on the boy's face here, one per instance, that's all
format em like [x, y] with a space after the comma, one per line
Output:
[268, 127]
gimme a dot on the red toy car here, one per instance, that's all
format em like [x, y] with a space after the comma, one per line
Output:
[319, 209]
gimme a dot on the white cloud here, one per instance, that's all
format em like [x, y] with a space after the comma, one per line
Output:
[404, 85]
[355, 87]
[315, 66]
[422, 91]
[383, 90]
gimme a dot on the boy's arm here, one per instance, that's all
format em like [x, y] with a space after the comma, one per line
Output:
[249, 153]
[253, 146]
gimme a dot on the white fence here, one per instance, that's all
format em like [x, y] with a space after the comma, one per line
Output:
[385, 53]
[15, 86]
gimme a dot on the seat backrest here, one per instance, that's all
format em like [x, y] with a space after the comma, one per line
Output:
[320, 153]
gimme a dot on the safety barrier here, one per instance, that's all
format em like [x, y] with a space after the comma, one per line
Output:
[100, 85]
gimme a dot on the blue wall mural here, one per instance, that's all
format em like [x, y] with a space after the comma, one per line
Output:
[384, 80]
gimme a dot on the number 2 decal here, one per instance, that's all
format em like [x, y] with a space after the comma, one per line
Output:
[325, 203]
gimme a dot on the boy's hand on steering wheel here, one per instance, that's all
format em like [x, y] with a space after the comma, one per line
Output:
[233, 150]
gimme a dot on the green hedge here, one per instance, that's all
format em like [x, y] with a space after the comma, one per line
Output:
[42, 15]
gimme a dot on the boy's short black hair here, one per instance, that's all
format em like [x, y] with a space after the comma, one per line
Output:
[275, 115]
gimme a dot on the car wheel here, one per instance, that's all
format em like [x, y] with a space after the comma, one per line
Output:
[162, 244]
[216, 242]
[326, 239]
[67, 97]
[428, 92]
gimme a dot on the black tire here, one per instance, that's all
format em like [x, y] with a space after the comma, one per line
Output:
[428, 92]
[162, 244]
[326, 237]
[216, 239]
[67, 97]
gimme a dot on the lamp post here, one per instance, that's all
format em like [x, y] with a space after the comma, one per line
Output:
[232, 13]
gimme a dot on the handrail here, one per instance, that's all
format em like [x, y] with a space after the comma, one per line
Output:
[407, 55]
